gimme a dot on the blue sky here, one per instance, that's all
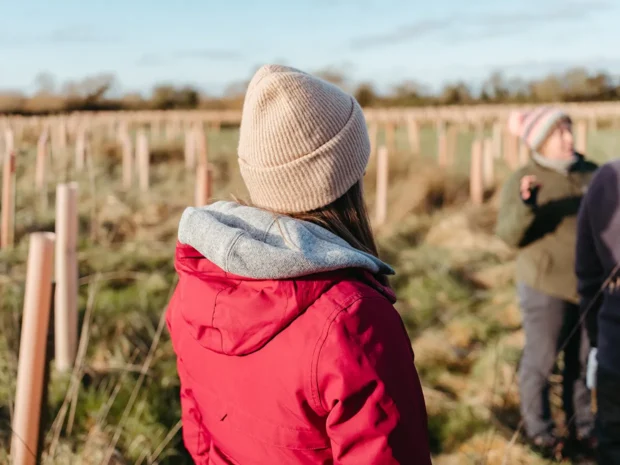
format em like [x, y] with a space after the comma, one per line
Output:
[214, 43]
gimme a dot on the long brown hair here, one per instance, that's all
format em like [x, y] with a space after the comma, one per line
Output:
[346, 217]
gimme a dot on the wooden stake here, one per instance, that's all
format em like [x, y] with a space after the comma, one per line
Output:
[488, 163]
[19, 130]
[41, 160]
[128, 160]
[442, 144]
[7, 228]
[190, 149]
[80, 150]
[373, 134]
[497, 140]
[476, 186]
[413, 133]
[9, 142]
[382, 185]
[155, 130]
[66, 276]
[452, 135]
[62, 134]
[201, 145]
[111, 127]
[202, 194]
[581, 144]
[142, 154]
[31, 365]
[169, 131]
[390, 137]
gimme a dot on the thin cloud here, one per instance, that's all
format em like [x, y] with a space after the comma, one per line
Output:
[572, 10]
[76, 34]
[210, 54]
[530, 19]
[66, 35]
[157, 59]
[404, 33]
[484, 27]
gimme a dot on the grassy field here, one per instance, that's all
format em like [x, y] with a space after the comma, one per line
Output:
[454, 282]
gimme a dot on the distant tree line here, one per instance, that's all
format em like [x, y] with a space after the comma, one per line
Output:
[100, 93]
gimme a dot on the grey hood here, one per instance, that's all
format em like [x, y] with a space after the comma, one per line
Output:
[254, 243]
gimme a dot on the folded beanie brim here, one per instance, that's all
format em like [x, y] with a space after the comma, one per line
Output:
[317, 178]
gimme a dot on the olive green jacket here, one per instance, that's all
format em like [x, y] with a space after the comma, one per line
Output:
[545, 233]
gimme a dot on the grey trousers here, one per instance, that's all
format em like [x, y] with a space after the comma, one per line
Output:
[548, 322]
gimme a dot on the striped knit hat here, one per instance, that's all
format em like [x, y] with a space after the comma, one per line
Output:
[303, 142]
[533, 127]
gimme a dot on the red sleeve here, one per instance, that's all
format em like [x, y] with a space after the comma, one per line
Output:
[368, 384]
[196, 438]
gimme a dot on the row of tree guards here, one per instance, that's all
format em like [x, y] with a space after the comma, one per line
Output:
[136, 160]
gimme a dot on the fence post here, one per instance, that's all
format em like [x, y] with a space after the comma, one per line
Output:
[497, 140]
[442, 144]
[65, 307]
[373, 131]
[7, 228]
[40, 163]
[203, 185]
[476, 187]
[382, 184]
[488, 163]
[61, 128]
[581, 144]
[452, 137]
[190, 149]
[128, 158]
[142, 153]
[202, 144]
[80, 149]
[31, 364]
[390, 136]
[413, 133]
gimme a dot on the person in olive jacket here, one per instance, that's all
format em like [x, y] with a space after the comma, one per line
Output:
[538, 216]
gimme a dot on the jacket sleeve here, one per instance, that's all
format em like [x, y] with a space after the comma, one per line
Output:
[369, 387]
[590, 272]
[515, 216]
[196, 438]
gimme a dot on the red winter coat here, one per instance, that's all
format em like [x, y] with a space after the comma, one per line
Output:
[311, 370]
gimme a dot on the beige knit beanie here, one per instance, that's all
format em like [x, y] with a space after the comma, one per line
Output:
[303, 142]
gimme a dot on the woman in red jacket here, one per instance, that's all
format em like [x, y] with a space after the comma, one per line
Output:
[289, 349]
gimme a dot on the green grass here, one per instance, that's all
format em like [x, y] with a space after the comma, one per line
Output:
[126, 273]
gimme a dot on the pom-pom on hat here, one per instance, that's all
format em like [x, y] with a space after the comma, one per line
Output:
[533, 127]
